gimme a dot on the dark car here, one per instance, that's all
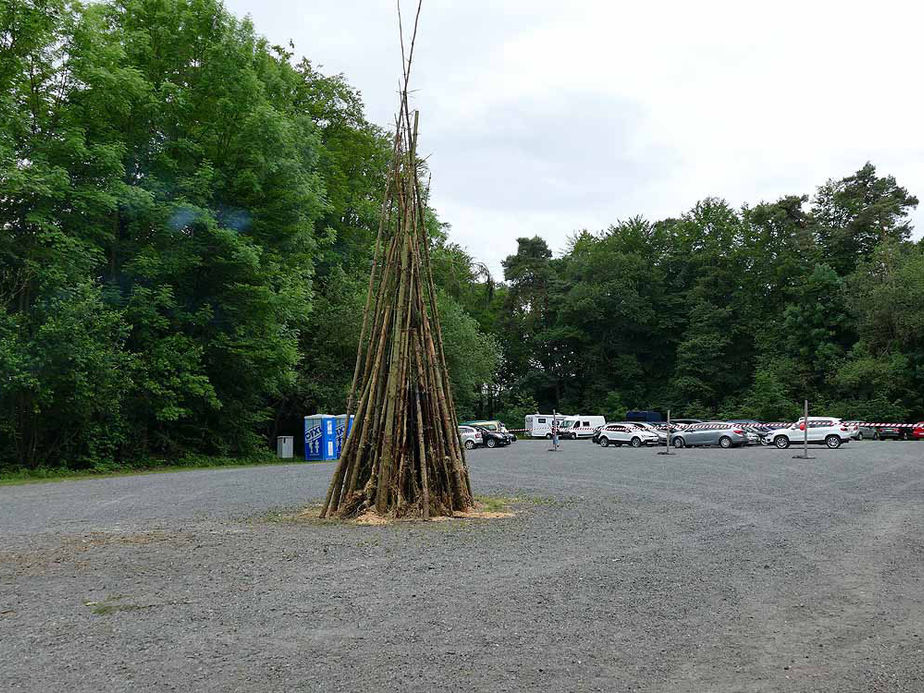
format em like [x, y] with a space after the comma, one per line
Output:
[889, 432]
[685, 422]
[492, 439]
[596, 436]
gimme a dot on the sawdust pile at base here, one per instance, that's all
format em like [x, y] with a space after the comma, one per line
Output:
[478, 514]
[372, 518]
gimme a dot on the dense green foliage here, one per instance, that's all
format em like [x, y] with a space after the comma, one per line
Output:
[187, 218]
[726, 312]
[186, 224]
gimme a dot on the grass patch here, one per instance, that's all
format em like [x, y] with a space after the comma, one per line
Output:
[495, 504]
[148, 466]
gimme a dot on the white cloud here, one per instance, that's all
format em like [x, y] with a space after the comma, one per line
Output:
[544, 117]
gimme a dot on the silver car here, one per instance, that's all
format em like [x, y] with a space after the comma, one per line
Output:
[470, 437]
[720, 433]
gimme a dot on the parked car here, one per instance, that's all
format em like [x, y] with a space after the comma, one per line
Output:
[686, 422]
[596, 436]
[754, 438]
[653, 428]
[719, 433]
[822, 430]
[889, 432]
[917, 433]
[470, 436]
[492, 425]
[582, 426]
[492, 439]
[626, 434]
[861, 431]
[755, 431]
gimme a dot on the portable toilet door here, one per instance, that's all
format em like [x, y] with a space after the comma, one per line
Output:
[343, 432]
[320, 437]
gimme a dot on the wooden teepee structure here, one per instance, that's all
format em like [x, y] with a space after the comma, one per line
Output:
[403, 456]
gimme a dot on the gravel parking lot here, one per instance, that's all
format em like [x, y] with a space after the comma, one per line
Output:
[710, 570]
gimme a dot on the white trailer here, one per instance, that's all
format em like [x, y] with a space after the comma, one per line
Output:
[540, 425]
[580, 426]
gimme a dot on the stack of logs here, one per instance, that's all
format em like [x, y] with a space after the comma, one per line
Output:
[403, 456]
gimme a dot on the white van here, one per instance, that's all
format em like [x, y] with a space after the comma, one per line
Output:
[540, 425]
[581, 426]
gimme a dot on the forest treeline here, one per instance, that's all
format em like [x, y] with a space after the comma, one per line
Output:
[187, 220]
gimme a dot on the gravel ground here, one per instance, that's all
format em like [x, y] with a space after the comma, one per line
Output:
[718, 570]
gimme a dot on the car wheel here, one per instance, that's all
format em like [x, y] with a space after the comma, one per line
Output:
[469, 444]
[876, 436]
[490, 442]
[636, 442]
[679, 442]
[859, 436]
[782, 442]
[725, 442]
[605, 442]
[833, 442]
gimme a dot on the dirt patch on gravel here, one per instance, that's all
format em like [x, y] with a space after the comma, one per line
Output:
[72, 550]
[489, 509]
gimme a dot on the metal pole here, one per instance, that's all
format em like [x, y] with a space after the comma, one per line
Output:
[555, 431]
[805, 420]
[667, 451]
[805, 427]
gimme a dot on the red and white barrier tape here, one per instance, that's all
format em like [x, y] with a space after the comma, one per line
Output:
[773, 424]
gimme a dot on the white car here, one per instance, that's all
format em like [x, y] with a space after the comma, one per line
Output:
[662, 434]
[470, 437]
[822, 430]
[626, 434]
[583, 426]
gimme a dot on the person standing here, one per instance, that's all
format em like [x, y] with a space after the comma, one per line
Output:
[555, 431]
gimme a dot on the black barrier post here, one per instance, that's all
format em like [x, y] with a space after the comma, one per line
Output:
[668, 450]
[805, 427]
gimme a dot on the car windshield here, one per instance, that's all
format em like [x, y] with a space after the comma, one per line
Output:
[566, 424]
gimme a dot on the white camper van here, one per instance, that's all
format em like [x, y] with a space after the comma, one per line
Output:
[540, 425]
[581, 426]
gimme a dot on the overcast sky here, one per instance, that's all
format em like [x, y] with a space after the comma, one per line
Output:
[546, 117]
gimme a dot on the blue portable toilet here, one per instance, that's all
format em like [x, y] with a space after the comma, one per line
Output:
[320, 437]
[343, 432]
